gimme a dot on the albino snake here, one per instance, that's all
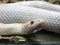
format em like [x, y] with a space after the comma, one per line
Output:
[19, 13]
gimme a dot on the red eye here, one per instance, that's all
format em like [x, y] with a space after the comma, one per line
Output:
[32, 22]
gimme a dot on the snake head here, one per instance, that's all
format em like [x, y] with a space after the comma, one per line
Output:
[30, 26]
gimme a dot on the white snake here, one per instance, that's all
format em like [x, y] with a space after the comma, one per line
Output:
[20, 28]
[20, 13]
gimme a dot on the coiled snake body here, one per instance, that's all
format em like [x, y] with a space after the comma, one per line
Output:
[15, 13]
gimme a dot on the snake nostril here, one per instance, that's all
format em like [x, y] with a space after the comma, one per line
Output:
[32, 22]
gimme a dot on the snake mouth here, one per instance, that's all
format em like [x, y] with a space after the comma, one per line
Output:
[36, 30]
[39, 26]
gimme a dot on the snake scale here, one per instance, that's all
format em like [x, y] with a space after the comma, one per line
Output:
[16, 13]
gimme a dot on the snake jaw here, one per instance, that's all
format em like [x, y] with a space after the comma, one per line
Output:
[30, 26]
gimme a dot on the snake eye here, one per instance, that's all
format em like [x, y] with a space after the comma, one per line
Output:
[32, 22]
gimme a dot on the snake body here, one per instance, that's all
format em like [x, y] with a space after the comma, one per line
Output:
[41, 4]
[15, 13]
[20, 28]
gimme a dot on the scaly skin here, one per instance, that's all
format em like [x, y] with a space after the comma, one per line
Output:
[15, 13]
[20, 28]
[39, 4]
